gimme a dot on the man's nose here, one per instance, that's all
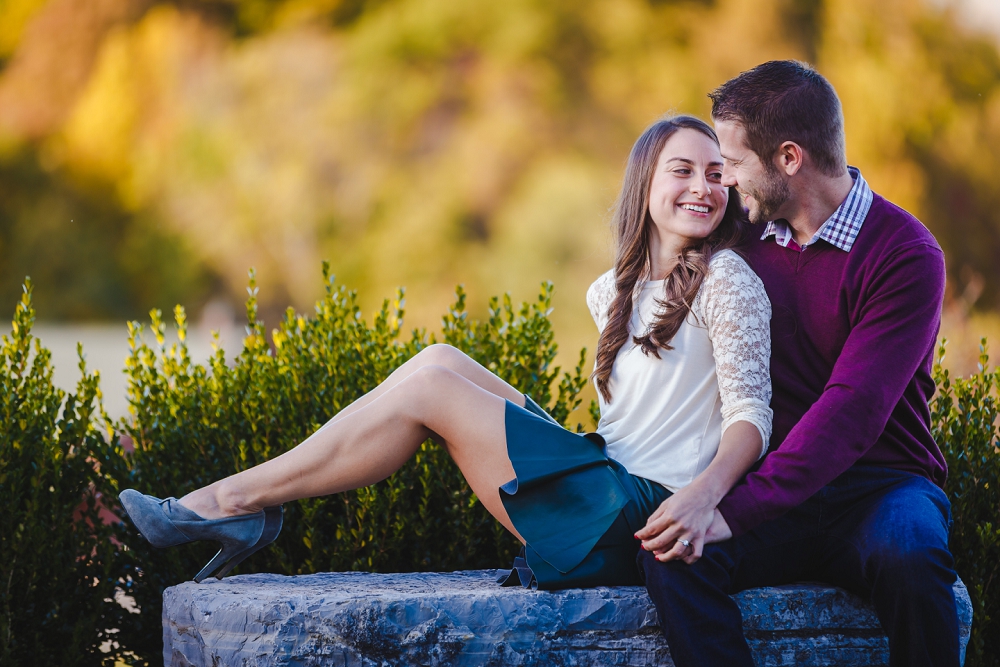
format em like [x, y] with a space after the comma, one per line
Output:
[728, 176]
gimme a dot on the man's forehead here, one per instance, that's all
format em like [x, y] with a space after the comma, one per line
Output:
[732, 138]
[733, 129]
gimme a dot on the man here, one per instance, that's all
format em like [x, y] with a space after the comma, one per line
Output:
[850, 491]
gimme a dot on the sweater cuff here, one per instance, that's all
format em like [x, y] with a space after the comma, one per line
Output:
[741, 512]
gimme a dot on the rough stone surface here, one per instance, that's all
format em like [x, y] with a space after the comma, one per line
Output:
[463, 618]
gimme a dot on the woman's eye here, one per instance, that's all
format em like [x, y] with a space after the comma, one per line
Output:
[682, 171]
[716, 176]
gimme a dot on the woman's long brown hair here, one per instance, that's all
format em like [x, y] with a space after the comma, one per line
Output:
[633, 225]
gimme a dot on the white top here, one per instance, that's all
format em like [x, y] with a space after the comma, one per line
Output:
[667, 415]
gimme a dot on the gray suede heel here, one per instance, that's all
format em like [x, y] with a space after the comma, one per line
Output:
[166, 523]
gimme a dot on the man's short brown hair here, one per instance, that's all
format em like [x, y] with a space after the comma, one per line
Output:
[785, 100]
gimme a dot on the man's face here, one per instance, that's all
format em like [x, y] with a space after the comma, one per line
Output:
[761, 186]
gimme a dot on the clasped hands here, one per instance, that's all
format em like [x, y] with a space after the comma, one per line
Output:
[691, 516]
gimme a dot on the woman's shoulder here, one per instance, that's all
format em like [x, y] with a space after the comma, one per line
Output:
[599, 297]
[727, 265]
[726, 259]
[729, 277]
[604, 283]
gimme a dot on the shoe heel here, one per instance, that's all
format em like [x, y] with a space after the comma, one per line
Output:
[272, 526]
[166, 523]
[224, 554]
[233, 562]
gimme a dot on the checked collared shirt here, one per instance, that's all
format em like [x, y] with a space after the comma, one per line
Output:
[840, 229]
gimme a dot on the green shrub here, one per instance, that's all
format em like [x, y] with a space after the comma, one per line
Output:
[964, 418]
[58, 565]
[193, 424]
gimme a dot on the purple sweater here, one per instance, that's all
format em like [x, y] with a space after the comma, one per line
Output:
[853, 336]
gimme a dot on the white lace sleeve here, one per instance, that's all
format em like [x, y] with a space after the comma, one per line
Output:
[599, 298]
[737, 313]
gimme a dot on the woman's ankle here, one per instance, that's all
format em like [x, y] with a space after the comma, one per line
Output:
[202, 502]
[231, 500]
[217, 501]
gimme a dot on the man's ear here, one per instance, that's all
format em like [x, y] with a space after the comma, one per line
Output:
[790, 158]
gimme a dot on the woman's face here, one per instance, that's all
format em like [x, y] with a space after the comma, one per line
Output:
[686, 197]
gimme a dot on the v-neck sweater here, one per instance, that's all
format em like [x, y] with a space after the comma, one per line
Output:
[853, 336]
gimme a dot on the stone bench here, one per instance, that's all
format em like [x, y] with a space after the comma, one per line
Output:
[464, 618]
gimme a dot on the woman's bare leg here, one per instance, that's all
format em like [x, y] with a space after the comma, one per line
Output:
[374, 439]
[438, 355]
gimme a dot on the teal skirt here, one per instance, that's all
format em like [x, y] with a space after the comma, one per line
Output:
[577, 510]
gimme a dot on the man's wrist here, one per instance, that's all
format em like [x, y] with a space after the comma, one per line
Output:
[740, 510]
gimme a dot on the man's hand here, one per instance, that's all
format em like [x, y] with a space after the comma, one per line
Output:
[719, 531]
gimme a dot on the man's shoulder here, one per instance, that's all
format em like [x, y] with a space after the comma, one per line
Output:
[891, 225]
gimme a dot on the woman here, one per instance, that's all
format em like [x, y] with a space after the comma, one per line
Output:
[684, 390]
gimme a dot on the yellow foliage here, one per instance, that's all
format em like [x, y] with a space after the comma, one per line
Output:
[98, 137]
[14, 17]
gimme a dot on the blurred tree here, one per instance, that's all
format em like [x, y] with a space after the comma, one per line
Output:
[90, 259]
[922, 102]
[426, 143]
[53, 58]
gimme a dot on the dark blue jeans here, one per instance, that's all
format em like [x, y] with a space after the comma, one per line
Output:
[879, 533]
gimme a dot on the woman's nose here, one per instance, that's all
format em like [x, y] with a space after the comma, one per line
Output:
[700, 186]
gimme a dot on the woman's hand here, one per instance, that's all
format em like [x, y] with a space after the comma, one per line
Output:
[718, 531]
[686, 515]
[691, 514]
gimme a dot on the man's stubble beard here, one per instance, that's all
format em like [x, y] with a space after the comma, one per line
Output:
[770, 195]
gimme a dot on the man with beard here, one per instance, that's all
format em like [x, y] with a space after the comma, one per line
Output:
[850, 492]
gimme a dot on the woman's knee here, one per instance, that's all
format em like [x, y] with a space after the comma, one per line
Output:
[431, 380]
[442, 354]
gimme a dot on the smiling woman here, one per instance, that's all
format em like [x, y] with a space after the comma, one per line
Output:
[684, 331]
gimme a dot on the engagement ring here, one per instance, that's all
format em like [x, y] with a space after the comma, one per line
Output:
[686, 543]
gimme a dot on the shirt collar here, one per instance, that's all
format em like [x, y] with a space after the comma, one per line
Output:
[840, 229]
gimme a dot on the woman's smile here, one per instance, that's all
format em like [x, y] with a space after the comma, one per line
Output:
[697, 209]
